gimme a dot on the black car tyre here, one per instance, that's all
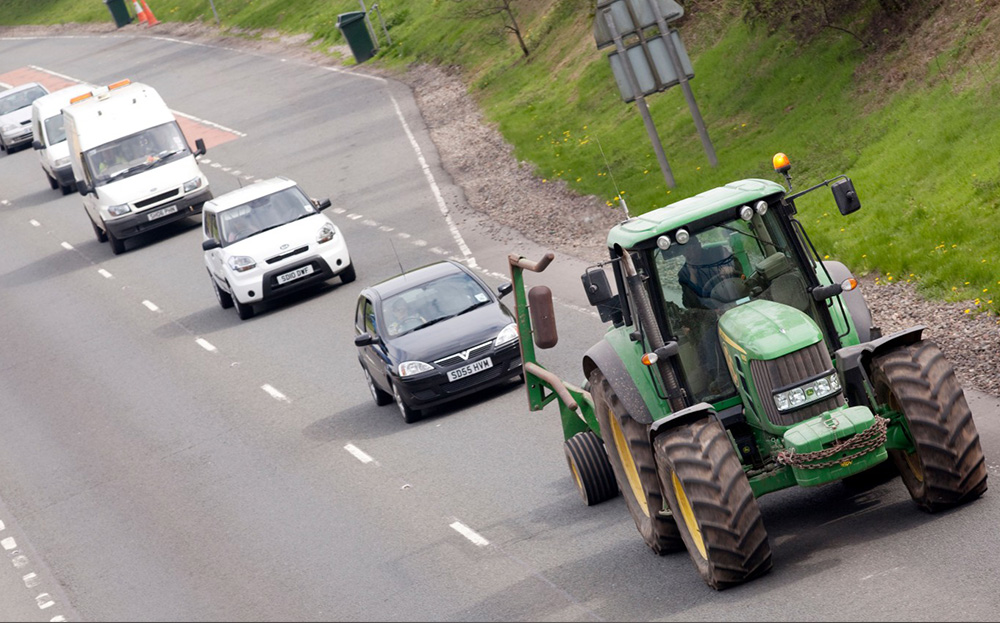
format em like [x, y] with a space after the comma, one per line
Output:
[592, 473]
[410, 415]
[382, 398]
[225, 299]
[53, 182]
[348, 275]
[245, 310]
[947, 467]
[101, 236]
[631, 457]
[117, 246]
[67, 189]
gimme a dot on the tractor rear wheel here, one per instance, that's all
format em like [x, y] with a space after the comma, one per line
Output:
[947, 467]
[588, 462]
[631, 458]
[714, 507]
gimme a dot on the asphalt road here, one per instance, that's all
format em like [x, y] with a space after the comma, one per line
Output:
[162, 460]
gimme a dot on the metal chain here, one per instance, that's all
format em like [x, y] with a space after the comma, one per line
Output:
[866, 441]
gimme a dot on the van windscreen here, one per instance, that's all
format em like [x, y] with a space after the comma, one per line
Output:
[136, 153]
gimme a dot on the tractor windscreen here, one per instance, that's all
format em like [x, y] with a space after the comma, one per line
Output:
[718, 268]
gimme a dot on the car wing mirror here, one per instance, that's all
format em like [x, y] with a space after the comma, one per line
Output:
[210, 244]
[365, 339]
[322, 204]
[845, 196]
[504, 289]
[201, 149]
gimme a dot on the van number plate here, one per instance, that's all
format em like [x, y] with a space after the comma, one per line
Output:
[295, 274]
[162, 212]
[472, 368]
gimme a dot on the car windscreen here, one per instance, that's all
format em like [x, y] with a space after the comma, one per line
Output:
[136, 153]
[55, 129]
[263, 213]
[21, 99]
[432, 302]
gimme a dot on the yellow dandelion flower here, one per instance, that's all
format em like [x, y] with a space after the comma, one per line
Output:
[889, 277]
[544, 180]
[966, 311]
[826, 257]
[579, 178]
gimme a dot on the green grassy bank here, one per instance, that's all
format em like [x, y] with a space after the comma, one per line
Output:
[912, 123]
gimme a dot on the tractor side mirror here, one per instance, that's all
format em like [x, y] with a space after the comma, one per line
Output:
[595, 284]
[201, 150]
[845, 196]
[504, 289]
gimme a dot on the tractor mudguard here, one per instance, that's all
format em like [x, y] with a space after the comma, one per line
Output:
[857, 307]
[693, 413]
[603, 355]
[853, 361]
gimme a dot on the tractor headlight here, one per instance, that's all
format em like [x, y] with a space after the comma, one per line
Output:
[119, 209]
[242, 263]
[507, 334]
[409, 368]
[325, 233]
[808, 393]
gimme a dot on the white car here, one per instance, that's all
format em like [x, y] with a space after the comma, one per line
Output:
[267, 240]
[15, 115]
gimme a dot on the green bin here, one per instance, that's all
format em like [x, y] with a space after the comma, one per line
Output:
[352, 25]
[119, 12]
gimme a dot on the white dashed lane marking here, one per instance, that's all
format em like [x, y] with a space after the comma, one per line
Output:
[470, 534]
[44, 601]
[9, 543]
[206, 345]
[358, 453]
[151, 306]
[35, 223]
[104, 273]
[31, 580]
[274, 393]
[66, 246]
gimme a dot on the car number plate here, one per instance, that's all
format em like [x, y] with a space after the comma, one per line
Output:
[295, 274]
[162, 212]
[472, 368]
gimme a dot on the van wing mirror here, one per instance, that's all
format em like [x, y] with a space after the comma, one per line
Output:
[37, 145]
[845, 196]
[201, 150]
[84, 187]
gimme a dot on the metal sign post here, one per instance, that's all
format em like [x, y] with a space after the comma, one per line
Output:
[640, 100]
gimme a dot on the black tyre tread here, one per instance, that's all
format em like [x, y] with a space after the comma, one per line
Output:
[101, 236]
[948, 448]
[244, 310]
[225, 299]
[348, 274]
[658, 530]
[380, 396]
[585, 451]
[736, 543]
[117, 245]
[410, 415]
[52, 181]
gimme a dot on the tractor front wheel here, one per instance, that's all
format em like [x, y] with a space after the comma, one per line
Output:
[712, 502]
[588, 462]
[631, 458]
[947, 467]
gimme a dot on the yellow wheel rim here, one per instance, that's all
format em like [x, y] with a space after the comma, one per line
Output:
[688, 514]
[576, 475]
[628, 464]
[912, 460]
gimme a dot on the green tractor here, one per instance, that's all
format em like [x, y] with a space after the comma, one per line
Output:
[738, 363]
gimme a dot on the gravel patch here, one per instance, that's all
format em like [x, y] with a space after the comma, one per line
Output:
[507, 193]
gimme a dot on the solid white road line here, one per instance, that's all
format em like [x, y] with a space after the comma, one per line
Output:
[358, 453]
[470, 534]
[274, 393]
[206, 345]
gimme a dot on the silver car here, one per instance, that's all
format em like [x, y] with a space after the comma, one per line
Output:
[15, 115]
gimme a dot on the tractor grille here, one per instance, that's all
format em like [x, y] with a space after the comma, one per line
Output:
[788, 370]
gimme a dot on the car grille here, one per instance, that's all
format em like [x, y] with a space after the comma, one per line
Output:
[457, 358]
[278, 258]
[788, 370]
[156, 199]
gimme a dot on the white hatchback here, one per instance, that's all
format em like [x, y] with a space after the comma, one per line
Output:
[267, 240]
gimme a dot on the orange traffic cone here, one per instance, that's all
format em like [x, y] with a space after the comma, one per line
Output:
[139, 14]
[150, 18]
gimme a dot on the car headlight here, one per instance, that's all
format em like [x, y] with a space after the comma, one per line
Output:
[61, 162]
[807, 393]
[192, 184]
[242, 263]
[119, 209]
[507, 334]
[409, 368]
[326, 233]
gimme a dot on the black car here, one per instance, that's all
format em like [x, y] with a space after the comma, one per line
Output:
[434, 334]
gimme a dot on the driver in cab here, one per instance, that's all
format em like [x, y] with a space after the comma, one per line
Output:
[704, 269]
[401, 319]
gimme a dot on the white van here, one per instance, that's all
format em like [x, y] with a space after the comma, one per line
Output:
[131, 162]
[50, 136]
